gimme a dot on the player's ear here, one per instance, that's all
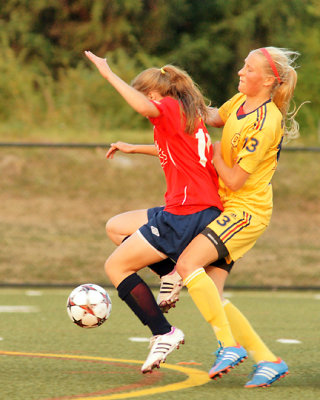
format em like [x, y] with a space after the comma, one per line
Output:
[150, 95]
[154, 95]
[269, 81]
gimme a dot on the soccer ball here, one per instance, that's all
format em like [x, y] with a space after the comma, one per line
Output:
[89, 305]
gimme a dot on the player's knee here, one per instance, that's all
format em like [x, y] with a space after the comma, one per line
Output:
[108, 268]
[112, 231]
[109, 228]
[183, 266]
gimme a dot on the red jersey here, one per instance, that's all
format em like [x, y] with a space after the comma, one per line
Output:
[192, 181]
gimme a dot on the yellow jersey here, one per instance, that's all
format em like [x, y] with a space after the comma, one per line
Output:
[253, 141]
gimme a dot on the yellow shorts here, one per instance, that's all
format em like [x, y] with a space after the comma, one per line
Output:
[238, 231]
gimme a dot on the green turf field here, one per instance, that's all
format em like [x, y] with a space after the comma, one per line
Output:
[45, 356]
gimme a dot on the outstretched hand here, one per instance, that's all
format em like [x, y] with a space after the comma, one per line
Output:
[136, 99]
[119, 146]
[100, 63]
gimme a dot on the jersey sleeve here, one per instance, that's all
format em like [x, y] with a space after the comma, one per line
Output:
[257, 143]
[161, 106]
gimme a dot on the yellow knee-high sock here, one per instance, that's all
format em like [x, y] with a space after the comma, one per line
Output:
[246, 335]
[206, 297]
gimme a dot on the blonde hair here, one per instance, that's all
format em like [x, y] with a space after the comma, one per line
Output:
[283, 89]
[174, 82]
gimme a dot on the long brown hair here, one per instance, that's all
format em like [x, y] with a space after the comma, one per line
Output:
[174, 82]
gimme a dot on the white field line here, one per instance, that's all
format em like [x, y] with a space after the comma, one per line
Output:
[289, 341]
[18, 309]
[139, 339]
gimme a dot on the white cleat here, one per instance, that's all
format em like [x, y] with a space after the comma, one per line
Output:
[161, 346]
[170, 287]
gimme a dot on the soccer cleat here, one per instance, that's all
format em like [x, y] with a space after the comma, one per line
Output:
[170, 287]
[161, 346]
[267, 372]
[227, 358]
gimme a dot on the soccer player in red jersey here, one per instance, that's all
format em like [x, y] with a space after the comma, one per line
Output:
[176, 108]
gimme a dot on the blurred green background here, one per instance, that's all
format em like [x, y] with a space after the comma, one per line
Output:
[49, 90]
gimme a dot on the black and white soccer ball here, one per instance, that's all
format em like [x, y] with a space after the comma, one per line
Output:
[89, 305]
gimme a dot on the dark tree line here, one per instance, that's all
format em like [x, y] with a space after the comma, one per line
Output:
[42, 44]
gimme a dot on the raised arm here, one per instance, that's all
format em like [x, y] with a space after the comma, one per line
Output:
[137, 100]
[149, 149]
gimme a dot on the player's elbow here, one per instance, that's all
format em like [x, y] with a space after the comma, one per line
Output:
[144, 111]
[149, 112]
[234, 185]
[236, 178]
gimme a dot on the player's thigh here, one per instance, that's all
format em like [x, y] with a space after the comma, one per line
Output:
[132, 255]
[122, 225]
[200, 252]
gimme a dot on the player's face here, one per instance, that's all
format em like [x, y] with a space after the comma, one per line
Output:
[252, 76]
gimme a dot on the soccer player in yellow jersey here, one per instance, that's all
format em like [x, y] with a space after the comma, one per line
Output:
[254, 123]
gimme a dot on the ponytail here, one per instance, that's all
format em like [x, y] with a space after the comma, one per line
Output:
[175, 82]
[283, 88]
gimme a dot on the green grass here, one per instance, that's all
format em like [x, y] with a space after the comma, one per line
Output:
[275, 315]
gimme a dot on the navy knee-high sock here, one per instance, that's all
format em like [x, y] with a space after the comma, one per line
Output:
[134, 291]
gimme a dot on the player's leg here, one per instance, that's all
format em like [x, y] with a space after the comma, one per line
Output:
[241, 328]
[129, 257]
[269, 368]
[198, 254]
[206, 248]
[122, 267]
[245, 334]
[123, 225]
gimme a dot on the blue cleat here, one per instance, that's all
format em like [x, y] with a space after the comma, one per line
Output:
[227, 358]
[267, 372]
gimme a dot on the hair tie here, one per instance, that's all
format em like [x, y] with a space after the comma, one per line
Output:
[271, 63]
[162, 71]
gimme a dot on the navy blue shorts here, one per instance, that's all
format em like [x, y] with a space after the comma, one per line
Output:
[170, 234]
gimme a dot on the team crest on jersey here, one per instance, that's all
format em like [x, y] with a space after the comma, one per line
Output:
[235, 139]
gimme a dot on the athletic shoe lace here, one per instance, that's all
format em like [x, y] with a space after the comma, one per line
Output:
[218, 352]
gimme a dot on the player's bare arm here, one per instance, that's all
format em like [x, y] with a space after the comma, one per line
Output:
[234, 177]
[148, 149]
[137, 100]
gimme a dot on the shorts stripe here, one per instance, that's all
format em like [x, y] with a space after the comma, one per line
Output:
[235, 228]
[231, 226]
